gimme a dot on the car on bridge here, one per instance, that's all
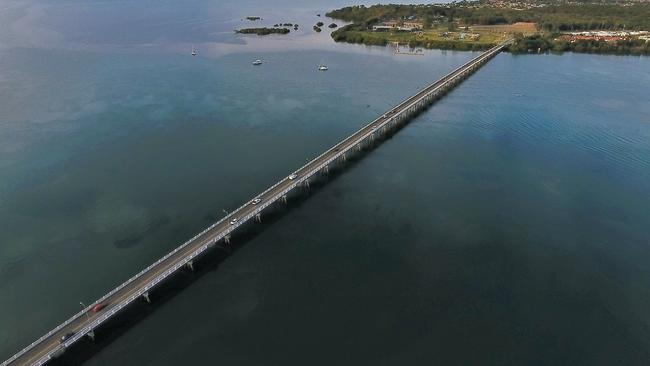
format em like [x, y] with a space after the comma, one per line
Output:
[256, 201]
[65, 337]
[97, 308]
[234, 221]
[293, 176]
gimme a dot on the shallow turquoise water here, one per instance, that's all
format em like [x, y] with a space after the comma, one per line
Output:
[506, 225]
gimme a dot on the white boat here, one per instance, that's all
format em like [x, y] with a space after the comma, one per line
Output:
[322, 67]
[257, 62]
[193, 51]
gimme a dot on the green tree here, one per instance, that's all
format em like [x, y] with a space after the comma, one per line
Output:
[427, 21]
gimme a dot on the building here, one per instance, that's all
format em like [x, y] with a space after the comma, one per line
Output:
[382, 27]
[395, 26]
[606, 36]
[412, 25]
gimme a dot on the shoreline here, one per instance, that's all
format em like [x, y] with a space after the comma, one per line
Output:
[459, 46]
[537, 29]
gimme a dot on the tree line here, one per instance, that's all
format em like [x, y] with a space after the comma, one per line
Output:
[553, 17]
[552, 43]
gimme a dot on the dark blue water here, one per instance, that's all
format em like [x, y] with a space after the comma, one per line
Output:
[506, 225]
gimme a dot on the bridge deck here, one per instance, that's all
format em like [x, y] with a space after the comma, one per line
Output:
[84, 322]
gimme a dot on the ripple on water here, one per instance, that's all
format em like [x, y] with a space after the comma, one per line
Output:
[135, 234]
[12, 266]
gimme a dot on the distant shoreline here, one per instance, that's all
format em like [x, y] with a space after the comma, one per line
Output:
[539, 27]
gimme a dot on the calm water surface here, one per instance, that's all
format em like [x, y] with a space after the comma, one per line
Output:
[509, 224]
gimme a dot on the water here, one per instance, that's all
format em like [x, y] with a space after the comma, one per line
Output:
[506, 225]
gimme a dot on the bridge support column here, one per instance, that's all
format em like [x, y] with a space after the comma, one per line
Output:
[91, 335]
[258, 217]
[306, 183]
[146, 297]
[326, 169]
[190, 265]
[226, 239]
[284, 199]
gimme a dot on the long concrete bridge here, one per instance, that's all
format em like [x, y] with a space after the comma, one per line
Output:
[84, 323]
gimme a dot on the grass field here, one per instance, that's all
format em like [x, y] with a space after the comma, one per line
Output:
[520, 27]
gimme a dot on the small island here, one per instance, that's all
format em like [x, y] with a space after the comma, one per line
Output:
[262, 31]
[289, 25]
[536, 26]
[333, 25]
[252, 19]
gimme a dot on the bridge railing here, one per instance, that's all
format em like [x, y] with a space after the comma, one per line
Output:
[452, 73]
[182, 262]
[447, 78]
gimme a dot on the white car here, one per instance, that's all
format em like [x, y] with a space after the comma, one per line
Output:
[234, 221]
[293, 176]
[66, 337]
[256, 201]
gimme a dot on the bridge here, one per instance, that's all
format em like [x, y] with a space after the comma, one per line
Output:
[84, 323]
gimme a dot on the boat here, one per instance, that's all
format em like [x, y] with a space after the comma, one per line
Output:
[257, 62]
[193, 51]
[322, 67]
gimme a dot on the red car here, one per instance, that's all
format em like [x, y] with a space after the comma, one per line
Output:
[97, 308]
